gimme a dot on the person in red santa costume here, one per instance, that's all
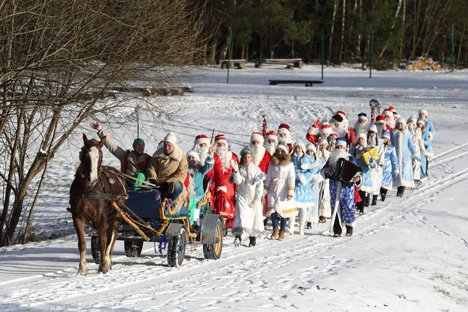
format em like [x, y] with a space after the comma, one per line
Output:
[324, 131]
[271, 140]
[284, 136]
[340, 126]
[223, 186]
[261, 157]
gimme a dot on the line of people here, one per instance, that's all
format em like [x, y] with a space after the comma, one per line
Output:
[278, 178]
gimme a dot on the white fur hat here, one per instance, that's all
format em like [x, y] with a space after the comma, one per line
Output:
[311, 147]
[401, 120]
[283, 147]
[171, 138]
[361, 135]
[301, 144]
[341, 142]
[372, 128]
[195, 154]
[322, 141]
[423, 111]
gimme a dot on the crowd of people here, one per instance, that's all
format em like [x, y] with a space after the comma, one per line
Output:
[279, 179]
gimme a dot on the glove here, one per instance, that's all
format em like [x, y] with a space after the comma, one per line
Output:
[372, 162]
[265, 192]
[396, 172]
[426, 142]
[234, 166]
[301, 178]
[153, 181]
[316, 124]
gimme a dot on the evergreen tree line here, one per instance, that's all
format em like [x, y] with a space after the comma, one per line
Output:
[402, 30]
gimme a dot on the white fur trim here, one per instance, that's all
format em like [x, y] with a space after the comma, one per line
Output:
[222, 188]
[301, 178]
[256, 137]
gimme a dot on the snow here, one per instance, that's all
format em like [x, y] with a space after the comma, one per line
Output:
[406, 254]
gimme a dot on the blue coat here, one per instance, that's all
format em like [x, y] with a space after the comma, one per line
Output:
[404, 148]
[391, 165]
[366, 176]
[197, 174]
[306, 166]
[346, 200]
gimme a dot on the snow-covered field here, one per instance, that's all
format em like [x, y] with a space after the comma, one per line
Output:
[407, 254]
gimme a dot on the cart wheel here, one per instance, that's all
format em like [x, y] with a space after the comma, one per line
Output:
[95, 248]
[213, 251]
[176, 248]
[133, 248]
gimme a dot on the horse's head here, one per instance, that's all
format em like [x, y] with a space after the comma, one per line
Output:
[91, 159]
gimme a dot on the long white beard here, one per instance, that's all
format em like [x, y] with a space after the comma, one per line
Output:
[271, 148]
[225, 155]
[390, 122]
[361, 128]
[258, 153]
[372, 141]
[202, 151]
[286, 139]
[341, 130]
[380, 129]
[337, 154]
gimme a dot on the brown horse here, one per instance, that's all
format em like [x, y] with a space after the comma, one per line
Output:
[93, 192]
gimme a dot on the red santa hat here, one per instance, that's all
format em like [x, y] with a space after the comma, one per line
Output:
[380, 119]
[202, 139]
[256, 136]
[272, 135]
[325, 129]
[283, 126]
[220, 138]
[392, 109]
[339, 117]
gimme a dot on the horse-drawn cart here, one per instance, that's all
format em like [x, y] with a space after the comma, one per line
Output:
[147, 218]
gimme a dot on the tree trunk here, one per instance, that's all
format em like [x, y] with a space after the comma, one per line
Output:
[335, 7]
[340, 55]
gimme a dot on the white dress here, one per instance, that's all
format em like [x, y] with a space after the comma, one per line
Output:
[249, 209]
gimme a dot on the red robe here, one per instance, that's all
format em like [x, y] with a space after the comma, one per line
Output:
[223, 203]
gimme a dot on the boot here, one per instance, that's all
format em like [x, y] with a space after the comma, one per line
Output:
[349, 230]
[237, 240]
[360, 207]
[337, 229]
[366, 200]
[383, 193]
[253, 241]
[322, 219]
[400, 191]
[309, 225]
[275, 233]
[281, 235]
[374, 200]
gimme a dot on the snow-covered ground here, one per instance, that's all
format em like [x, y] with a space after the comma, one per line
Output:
[407, 254]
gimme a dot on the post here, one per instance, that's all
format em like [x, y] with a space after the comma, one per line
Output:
[453, 50]
[323, 48]
[137, 114]
[371, 48]
[229, 54]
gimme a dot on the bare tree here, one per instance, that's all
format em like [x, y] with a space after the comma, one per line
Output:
[59, 59]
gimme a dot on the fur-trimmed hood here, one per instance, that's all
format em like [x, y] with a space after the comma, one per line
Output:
[276, 161]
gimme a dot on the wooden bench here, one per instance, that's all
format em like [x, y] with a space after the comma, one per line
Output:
[290, 63]
[237, 63]
[308, 83]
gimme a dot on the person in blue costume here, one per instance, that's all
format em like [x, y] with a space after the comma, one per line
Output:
[366, 187]
[341, 194]
[429, 126]
[391, 168]
[405, 151]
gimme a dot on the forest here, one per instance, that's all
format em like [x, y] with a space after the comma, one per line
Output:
[342, 30]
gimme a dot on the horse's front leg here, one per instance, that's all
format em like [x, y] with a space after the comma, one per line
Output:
[79, 228]
[104, 263]
[112, 236]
